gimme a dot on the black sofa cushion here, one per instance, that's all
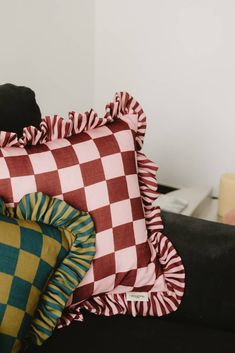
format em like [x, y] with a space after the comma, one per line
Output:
[123, 334]
[207, 250]
[18, 108]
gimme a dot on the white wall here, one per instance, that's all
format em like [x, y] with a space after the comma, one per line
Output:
[48, 45]
[178, 59]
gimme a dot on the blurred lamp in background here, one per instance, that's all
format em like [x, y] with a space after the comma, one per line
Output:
[226, 206]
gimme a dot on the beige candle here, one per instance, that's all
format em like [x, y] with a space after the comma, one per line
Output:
[226, 194]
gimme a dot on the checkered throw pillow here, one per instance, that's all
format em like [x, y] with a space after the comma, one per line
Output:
[97, 165]
[46, 247]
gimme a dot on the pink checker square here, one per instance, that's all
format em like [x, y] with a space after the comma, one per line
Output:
[104, 285]
[97, 195]
[133, 185]
[43, 162]
[125, 140]
[70, 178]
[22, 186]
[89, 277]
[86, 151]
[13, 151]
[113, 166]
[121, 212]
[99, 132]
[140, 231]
[126, 259]
[104, 243]
[146, 275]
[58, 143]
[4, 172]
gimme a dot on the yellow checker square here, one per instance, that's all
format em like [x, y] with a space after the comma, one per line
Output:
[5, 287]
[29, 225]
[14, 316]
[50, 250]
[33, 300]
[27, 266]
[13, 234]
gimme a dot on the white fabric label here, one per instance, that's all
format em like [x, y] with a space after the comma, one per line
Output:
[137, 296]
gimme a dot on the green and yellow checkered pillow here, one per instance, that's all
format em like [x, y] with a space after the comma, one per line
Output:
[46, 248]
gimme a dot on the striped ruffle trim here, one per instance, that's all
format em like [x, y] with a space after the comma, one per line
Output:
[52, 128]
[160, 302]
[78, 235]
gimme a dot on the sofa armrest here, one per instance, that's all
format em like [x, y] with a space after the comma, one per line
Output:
[207, 250]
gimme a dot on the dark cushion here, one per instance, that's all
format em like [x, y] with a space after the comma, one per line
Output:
[140, 334]
[207, 250]
[18, 108]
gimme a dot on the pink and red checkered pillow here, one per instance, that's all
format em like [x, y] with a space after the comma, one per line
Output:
[96, 165]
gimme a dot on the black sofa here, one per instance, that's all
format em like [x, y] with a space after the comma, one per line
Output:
[205, 320]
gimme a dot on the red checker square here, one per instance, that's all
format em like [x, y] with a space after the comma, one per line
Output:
[126, 259]
[22, 186]
[144, 288]
[102, 218]
[79, 138]
[125, 140]
[65, 157]
[83, 293]
[137, 208]
[48, 183]
[129, 162]
[117, 189]
[70, 178]
[6, 190]
[126, 278]
[86, 151]
[19, 166]
[117, 125]
[123, 236]
[92, 172]
[4, 171]
[1, 155]
[43, 162]
[104, 266]
[76, 199]
[143, 254]
[107, 145]
[106, 285]
[37, 149]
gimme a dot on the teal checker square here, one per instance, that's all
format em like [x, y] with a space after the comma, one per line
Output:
[43, 272]
[9, 257]
[51, 232]
[7, 343]
[25, 324]
[8, 219]
[2, 312]
[33, 247]
[19, 293]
